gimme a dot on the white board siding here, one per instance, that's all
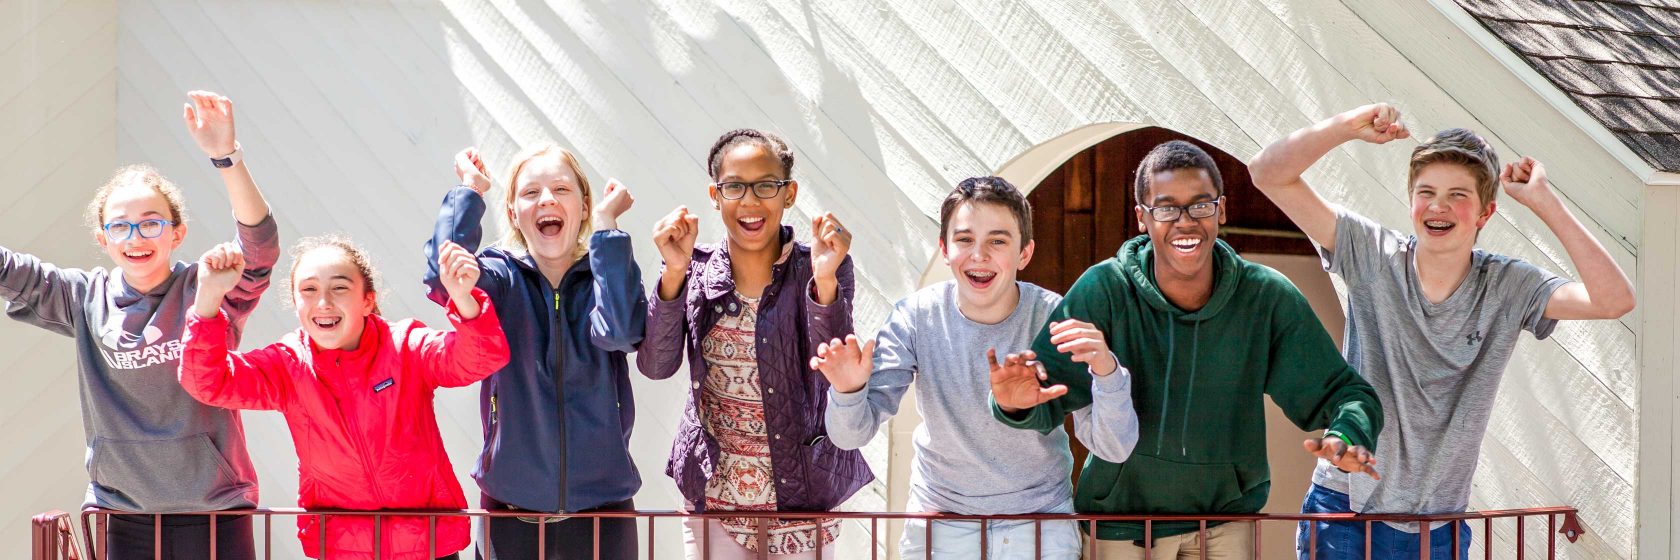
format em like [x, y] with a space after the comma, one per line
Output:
[58, 103]
[351, 112]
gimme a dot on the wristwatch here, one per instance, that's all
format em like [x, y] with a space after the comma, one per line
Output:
[229, 160]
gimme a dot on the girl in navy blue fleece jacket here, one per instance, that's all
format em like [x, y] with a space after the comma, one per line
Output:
[557, 418]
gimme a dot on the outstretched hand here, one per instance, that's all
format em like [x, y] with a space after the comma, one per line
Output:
[1016, 382]
[846, 364]
[209, 118]
[1348, 458]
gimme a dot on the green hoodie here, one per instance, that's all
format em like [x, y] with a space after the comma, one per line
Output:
[1197, 381]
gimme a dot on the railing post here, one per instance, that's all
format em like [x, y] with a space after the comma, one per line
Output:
[1424, 528]
[1520, 547]
[1551, 537]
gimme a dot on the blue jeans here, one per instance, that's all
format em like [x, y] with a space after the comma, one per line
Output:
[1345, 540]
[1005, 540]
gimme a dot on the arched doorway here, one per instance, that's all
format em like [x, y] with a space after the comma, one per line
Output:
[1082, 212]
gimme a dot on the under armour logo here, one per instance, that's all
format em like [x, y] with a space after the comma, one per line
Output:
[1472, 338]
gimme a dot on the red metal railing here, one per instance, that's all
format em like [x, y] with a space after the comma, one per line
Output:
[55, 538]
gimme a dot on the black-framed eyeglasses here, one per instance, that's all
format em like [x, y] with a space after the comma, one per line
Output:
[735, 190]
[148, 229]
[1196, 211]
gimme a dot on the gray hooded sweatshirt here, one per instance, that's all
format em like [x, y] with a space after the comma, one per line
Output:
[150, 447]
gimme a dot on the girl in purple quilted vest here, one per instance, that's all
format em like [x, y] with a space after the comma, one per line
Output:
[749, 313]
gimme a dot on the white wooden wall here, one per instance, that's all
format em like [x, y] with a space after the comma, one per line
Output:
[57, 143]
[349, 113]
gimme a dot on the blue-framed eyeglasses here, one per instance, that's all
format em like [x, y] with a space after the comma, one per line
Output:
[148, 229]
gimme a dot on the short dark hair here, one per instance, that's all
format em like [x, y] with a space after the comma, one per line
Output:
[1172, 156]
[769, 140]
[988, 190]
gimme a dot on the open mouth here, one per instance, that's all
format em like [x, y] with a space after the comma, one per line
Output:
[751, 224]
[327, 323]
[980, 278]
[550, 226]
[1186, 245]
[1437, 227]
[138, 256]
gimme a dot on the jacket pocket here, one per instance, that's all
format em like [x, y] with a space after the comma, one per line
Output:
[179, 474]
[1147, 484]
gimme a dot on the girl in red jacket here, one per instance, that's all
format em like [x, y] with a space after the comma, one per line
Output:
[356, 392]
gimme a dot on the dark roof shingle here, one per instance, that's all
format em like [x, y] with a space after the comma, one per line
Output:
[1619, 60]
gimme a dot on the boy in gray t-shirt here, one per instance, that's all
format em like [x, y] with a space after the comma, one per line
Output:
[1432, 320]
[941, 337]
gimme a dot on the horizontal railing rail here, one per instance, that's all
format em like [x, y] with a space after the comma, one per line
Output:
[55, 537]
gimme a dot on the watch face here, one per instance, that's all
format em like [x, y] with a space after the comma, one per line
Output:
[221, 162]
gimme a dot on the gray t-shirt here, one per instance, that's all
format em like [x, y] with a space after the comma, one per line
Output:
[966, 461]
[1436, 366]
[150, 447]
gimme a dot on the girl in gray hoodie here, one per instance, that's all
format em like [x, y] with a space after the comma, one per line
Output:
[151, 447]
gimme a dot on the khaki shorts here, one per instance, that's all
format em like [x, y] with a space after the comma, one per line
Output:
[1229, 541]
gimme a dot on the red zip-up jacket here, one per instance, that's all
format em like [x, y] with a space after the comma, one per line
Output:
[362, 420]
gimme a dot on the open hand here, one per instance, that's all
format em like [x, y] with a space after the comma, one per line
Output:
[1015, 382]
[847, 365]
[1345, 457]
[209, 118]
[1083, 343]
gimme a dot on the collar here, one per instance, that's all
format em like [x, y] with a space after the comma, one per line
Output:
[716, 279]
[124, 295]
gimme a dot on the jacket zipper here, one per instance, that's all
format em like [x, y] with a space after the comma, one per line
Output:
[556, 345]
[360, 443]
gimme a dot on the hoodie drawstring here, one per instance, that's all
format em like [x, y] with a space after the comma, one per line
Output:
[1166, 392]
[1190, 390]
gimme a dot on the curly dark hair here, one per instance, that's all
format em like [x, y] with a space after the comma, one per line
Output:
[1172, 156]
[769, 140]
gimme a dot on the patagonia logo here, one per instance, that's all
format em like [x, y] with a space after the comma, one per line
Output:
[383, 385]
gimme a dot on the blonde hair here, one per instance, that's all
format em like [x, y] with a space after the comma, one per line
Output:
[511, 237]
[358, 258]
[1465, 149]
[138, 174]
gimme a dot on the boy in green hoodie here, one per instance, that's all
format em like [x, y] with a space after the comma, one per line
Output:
[1202, 441]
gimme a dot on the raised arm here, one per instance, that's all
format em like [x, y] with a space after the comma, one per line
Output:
[459, 221]
[1604, 291]
[209, 371]
[1277, 170]
[39, 293]
[478, 346]
[620, 315]
[209, 118]
[664, 333]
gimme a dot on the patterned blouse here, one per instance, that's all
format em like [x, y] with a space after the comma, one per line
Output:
[732, 410]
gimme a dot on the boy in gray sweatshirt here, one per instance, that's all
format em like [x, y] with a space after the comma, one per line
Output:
[946, 336]
[151, 447]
